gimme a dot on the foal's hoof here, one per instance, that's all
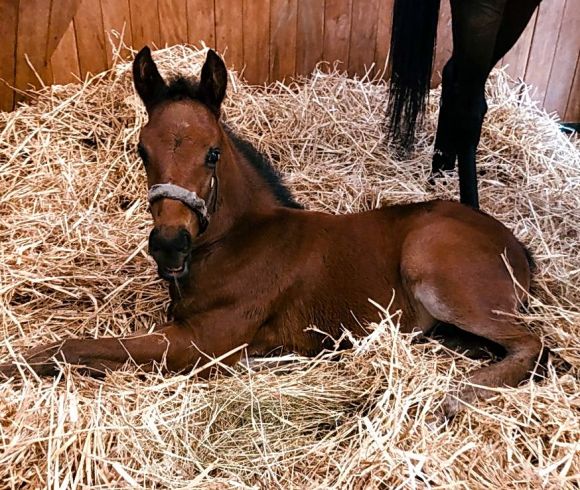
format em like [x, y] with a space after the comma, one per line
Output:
[451, 406]
[8, 370]
[457, 402]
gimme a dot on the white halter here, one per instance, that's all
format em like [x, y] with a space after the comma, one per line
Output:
[187, 197]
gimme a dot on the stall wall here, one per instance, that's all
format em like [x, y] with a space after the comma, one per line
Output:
[58, 41]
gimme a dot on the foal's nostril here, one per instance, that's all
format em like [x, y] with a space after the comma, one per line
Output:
[184, 240]
[154, 240]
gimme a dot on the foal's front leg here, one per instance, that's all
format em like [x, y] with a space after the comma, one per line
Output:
[169, 344]
[174, 347]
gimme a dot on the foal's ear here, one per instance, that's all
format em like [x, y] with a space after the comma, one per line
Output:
[213, 81]
[146, 77]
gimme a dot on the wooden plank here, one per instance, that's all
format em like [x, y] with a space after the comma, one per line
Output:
[573, 105]
[444, 43]
[31, 41]
[283, 15]
[172, 22]
[144, 23]
[543, 46]
[117, 17]
[61, 16]
[90, 35]
[8, 31]
[337, 15]
[309, 35]
[384, 26]
[257, 41]
[228, 32]
[64, 60]
[363, 36]
[567, 49]
[201, 22]
[517, 57]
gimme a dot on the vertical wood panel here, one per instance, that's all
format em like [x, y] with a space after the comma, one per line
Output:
[61, 15]
[337, 30]
[8, 31]
[271, 38]
[573, 106]
[543, 46]
[31, 41]
[201, 22]
[363, 35]
[90, 35]
[64, 60]
[567, 49]
[172, 22]
[144, 23]
[257, 40]
[283, 38]
[444, 43]
[309, 35]
[116, 16]
[384, 26]
[228, 31]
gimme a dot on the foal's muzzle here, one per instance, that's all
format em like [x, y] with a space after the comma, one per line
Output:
[171, 248]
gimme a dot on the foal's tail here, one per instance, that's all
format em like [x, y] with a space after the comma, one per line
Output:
[412, 42]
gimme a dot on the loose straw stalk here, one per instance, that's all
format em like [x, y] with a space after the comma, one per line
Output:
[73, 228]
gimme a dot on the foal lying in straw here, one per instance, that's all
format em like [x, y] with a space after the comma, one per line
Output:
[248, 267]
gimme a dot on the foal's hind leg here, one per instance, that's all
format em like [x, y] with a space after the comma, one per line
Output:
[473, 306]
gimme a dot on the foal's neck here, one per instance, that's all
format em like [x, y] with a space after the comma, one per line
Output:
[241, 191]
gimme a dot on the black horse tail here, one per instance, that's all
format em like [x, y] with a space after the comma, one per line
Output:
[412, 42]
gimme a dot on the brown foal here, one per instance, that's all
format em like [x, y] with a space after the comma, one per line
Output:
[248, 267]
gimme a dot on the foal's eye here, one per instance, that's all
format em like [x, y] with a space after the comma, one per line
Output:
[142, 154]
[212, 157]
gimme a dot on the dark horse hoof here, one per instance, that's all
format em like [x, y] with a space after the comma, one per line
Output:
[442, 162]
[433, 176]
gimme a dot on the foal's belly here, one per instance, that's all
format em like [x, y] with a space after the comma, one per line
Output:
[307, 328]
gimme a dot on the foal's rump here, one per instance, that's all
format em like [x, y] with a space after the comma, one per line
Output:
[456, 250]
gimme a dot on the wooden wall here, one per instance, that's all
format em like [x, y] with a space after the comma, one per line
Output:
[271, 39]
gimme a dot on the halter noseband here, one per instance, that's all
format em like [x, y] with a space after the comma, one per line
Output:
[187, 197]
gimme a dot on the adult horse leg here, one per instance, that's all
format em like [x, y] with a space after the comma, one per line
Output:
[516, 16]
[483, 32]
[445, 153]
[475, 25]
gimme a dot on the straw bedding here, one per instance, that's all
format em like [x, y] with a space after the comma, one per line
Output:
[73, 262]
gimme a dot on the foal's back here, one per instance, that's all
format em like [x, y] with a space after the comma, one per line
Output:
[428, 254]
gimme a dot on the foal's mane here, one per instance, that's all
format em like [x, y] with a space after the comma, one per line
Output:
[180, 88]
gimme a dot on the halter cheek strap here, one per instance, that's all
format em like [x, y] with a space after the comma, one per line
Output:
[187, 197]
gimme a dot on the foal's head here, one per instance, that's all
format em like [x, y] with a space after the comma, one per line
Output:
[180, 147]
